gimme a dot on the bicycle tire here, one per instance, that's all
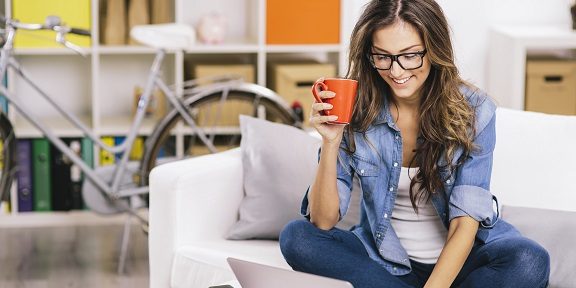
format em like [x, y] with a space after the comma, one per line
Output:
[277, 110]
[8, 157]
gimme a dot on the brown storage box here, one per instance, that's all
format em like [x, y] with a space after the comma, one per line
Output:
[212, 114]
[551, 86]
[303, 22]
[246, 71]
[294, 82]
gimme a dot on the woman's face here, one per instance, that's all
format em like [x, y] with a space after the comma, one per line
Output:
[398, 38]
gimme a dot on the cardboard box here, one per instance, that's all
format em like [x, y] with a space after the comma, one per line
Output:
[303, 22]
[74, 13]
[246, 71]
[294, 82]
[550, 86]
[225, 114]
[156, 108]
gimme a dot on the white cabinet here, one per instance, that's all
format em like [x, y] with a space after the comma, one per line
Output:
[507, 52]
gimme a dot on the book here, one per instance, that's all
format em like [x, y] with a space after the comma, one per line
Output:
[61, 185]
[87, 150]
[118, 140]
[24, 175]
[137, 151]
[107, 158]
[41, 181]
[76, 177]
[3, 100]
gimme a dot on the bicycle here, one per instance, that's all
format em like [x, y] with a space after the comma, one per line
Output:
[109, 189]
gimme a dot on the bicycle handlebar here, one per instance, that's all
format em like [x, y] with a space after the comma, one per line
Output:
[52, 23]
[79, 31]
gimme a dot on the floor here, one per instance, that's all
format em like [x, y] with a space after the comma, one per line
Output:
[71, 256]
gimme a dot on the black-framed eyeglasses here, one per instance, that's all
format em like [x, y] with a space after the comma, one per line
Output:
[407, 61]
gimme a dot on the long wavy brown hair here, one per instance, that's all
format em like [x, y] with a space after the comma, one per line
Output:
[446, 118]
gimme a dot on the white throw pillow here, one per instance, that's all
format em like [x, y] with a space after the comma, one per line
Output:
[279, 163]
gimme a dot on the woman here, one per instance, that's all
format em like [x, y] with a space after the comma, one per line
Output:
[421, 143]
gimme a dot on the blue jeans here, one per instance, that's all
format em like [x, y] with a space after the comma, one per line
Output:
[336, 253]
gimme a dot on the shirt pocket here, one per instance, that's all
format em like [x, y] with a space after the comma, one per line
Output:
[368, 172]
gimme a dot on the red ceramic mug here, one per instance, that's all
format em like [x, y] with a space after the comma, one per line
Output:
[342, 103]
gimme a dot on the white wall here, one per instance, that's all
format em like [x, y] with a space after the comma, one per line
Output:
[470, 21]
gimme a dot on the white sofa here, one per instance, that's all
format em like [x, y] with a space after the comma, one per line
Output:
[194, 202]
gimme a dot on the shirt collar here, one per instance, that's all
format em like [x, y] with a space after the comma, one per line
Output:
[385, 116]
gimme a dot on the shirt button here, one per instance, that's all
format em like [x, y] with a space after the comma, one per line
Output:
[448, 181]
[385, 215]
[391, 189]
[405, 260]
[397, 137]
[394, 268]
[362, 171]
[378, 235]
[395, 164]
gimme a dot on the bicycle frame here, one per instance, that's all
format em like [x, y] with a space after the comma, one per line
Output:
[112, 190]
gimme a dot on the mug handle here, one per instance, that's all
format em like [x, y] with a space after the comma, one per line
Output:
[315, 92]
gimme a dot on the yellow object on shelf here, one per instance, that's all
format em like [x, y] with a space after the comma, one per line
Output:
[107, 158]
[74, 13]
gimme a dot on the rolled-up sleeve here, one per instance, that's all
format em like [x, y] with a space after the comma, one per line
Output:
[471, 194]
[343, 182]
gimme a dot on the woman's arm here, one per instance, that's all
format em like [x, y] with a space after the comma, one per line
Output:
[323, 195]
[457, 248]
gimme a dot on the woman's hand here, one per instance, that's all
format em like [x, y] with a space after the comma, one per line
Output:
[331, 133]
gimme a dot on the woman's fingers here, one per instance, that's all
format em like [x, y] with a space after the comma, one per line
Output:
[317, 107]
[322, 119]
[326, 94]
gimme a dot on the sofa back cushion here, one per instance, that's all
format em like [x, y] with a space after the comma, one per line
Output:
[535, 160]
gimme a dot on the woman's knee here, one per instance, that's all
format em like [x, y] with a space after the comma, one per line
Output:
[294, 236]
[532, 261]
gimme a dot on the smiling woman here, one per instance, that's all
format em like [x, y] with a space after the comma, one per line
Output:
[427, 217]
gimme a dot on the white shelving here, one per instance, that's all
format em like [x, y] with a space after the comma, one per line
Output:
[99, 87]
[508, 49]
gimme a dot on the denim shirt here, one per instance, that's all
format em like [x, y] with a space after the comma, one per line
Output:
[378, 161]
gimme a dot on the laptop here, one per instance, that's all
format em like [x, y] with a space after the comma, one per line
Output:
[255, 275]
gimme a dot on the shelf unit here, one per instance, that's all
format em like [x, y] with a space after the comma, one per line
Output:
[99, 87]
[509, 47]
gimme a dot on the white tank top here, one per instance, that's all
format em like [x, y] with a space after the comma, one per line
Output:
[422, 235]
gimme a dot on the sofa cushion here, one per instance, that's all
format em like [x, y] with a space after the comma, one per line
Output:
[553, 229]
[534, 160]
[279, 163]
[204, 262]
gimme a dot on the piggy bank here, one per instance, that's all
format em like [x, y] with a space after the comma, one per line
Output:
[211, 28]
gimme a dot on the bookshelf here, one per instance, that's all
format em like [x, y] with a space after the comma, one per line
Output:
[99, 87]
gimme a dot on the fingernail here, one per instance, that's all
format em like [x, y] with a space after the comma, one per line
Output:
[331, 94]
[329, 106]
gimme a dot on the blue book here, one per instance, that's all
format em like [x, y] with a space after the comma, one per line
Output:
[24, 176]
[118, 140]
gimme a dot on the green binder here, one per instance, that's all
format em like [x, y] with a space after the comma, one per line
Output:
[41, 183]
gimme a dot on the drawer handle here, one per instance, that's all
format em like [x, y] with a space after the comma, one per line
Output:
[554, 78]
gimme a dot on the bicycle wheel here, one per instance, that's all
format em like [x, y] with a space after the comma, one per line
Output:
[7, 157]
[216, 109]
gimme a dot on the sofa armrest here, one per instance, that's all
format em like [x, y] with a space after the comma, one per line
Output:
[192, 199]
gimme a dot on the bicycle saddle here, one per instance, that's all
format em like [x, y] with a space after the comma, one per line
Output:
[170, 36]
